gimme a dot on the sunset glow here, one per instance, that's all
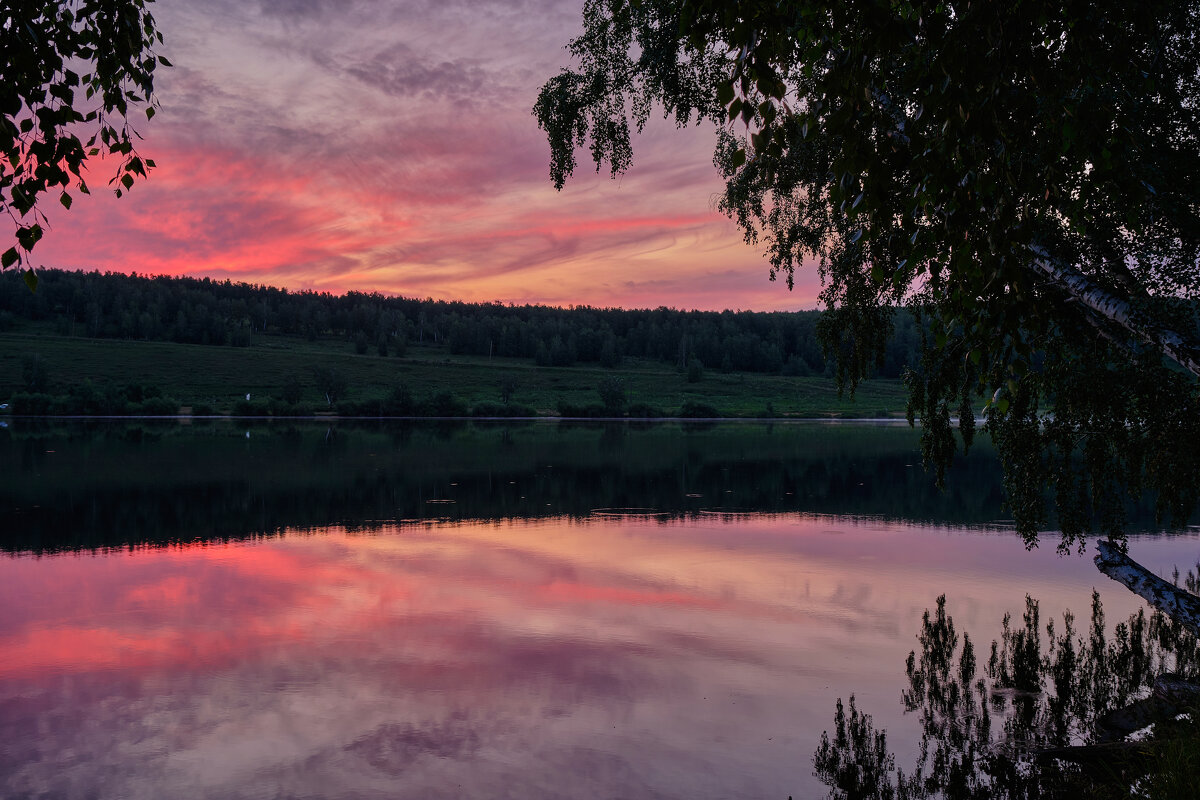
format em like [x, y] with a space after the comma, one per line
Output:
[391, 148]
[700, 656]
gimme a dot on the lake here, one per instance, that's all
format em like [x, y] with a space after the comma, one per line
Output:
[221, 610]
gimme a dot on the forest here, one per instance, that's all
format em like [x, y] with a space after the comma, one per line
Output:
[203, 311]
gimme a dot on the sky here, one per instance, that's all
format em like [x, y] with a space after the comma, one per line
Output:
[390, 147]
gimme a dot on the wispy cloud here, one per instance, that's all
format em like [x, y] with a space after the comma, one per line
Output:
[375, 146]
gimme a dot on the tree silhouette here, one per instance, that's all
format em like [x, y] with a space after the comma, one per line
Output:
[71, 76]
[1025, 177]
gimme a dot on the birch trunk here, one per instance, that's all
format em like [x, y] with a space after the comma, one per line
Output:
[1178, 604]
[1183, 350]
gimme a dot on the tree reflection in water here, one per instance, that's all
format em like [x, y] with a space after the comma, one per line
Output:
[1053, 713]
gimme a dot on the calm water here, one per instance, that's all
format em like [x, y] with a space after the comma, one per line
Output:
[364, 612]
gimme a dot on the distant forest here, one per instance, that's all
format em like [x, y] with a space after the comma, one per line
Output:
[209, 312]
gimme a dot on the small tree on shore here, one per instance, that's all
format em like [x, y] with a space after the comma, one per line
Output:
[612, 395]
[330, 383]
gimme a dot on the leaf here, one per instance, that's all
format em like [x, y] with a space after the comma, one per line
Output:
[127, 180]
[10, 257]
[739, 158]
[163, 60]
[725, 92]
[857, 235]
[65, 199]
[31, 280]
[27, 237]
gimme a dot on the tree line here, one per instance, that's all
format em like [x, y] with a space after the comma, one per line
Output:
[210, 312]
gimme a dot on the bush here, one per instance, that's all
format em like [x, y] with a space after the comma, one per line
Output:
[283, 408]
[590, 410]
[65, 405]
[353, 408]
[250, 408]
[487, 409]
[31, 403]
[331, 383]
[159, 407]
[695, 371]
[444, 404]
[693, 410]
[202, 410]
[612, 395]
[645, 411]
[398, 403]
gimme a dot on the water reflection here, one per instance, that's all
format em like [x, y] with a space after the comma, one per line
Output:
[106, 485]
[536, 611]
[1053, 714]
[557, 657]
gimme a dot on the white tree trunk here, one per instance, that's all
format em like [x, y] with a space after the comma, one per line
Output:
[1178, 604]
[1183, 350]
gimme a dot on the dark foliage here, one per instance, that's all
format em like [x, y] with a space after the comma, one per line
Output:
[71, 75]
[204, 311]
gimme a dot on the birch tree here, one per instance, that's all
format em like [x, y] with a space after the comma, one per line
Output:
[72, 75]
[1024, 175]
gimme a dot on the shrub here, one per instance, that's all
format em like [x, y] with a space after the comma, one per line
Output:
[488, 409]
[250, 408]
[159, 407]
[566, 409]
[398, 403]
[693, 410]
[31, 403]
[612, 395]
[444, 404]
[646, 411]
[65, 405]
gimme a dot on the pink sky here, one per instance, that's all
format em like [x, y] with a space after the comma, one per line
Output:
[379, 146]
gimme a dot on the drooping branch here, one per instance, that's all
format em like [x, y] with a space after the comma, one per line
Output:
[1183, 350]
[1180, 605]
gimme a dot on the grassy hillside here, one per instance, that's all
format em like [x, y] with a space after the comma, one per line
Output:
[219, 376]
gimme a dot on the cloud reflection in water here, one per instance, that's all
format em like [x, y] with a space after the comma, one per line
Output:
[617, 657]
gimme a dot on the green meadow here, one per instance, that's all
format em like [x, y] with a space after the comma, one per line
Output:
[219, 376]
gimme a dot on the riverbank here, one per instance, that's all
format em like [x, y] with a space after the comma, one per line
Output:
[289, 377]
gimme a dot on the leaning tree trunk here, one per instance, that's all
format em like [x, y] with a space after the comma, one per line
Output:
[1181, 348]
[1178, 604]
[1184, 350]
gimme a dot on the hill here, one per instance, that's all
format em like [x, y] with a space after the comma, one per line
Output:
[109, 343]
